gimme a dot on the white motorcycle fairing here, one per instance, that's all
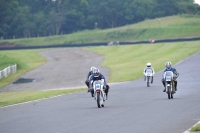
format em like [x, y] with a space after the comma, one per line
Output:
[99, 94]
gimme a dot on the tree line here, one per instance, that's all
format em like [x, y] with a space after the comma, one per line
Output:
[35, 18]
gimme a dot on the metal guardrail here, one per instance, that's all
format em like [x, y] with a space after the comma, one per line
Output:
[7, 71]
[100, 44]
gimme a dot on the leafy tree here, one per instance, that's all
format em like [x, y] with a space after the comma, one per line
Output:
[7, 12]
[30, 18]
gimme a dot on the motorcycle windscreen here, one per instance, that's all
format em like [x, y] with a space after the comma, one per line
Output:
[168, 76]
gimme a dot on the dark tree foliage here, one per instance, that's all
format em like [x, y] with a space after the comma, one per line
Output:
[33, 18]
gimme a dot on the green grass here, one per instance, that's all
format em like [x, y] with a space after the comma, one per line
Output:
[26, 60]
[160, 28]
[10, 98]
[195, 128]
[6, 61]
[127, 63]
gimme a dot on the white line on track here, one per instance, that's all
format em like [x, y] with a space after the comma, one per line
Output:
[33, 101]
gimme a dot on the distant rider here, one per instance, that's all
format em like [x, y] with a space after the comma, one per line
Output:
[88, 76]
[148, 66]
[169, 67]
[98, 76]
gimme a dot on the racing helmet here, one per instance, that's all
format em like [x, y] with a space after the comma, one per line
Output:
[148, 64]
[96, 72]
[92, 69]
[168, 65]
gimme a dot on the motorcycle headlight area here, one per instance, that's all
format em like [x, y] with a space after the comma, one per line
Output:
[168, 78]
[148, 74]
[97, 86]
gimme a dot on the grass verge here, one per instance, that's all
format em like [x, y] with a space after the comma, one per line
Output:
[195, 128]
[26, 60]
[10, 98]
[127, 62]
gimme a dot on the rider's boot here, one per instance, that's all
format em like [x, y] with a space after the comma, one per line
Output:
[175, 85]
[90, 89]
[164, 86]
[152, 79]
[106, 91]
[174, 90]
[164, 90]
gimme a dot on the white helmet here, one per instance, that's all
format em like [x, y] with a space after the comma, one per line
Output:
[92, 69]
[148, 64]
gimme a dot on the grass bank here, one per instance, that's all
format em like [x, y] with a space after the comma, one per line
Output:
[161, 28]
[127, 63]
[26, 60]
[195, 128]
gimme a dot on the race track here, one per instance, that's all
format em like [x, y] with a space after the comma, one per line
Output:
[131, 108]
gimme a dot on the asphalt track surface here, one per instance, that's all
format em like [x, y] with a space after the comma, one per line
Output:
[131, 108]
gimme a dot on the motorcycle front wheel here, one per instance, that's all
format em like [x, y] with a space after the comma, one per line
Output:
[148, 82]
[98, 100]
[171, 96]
[169, 92]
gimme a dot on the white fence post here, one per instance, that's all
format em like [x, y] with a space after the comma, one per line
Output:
[7, 71]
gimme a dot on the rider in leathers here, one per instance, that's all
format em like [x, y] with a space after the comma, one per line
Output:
[89, 74]
[145, 69]
[98, 76]
[169, 67]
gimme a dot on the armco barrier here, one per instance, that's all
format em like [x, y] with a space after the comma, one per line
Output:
[99, 44]
[7, 71]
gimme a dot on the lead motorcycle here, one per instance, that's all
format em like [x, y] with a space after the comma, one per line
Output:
[148, 75]
[99, 94]
[169, 83]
